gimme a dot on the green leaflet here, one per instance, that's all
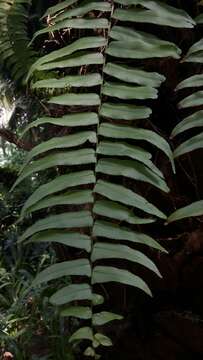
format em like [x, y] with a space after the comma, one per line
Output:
[102, 339]
[147, 16]
[197, 57]
[84, 8]
[104, 317]
[61, 142]
[81, 334]
[131, 169]
[77, 157]
[142, 42]
[70, 81]
[131, 151]
[126, 196]
[158, 13]
[68, 238]
[58, 184]
[104, 274]
[78, 59]
[116, 211]
[71, 293]
[114, 232]
[128, 132]
[69, 198]
[81, 119]
[194, 209]
[195, 53]
[124, 112]
[192, 81]
[194, 143]
[60, 221]
[195, 99]
[129, 92]
[76, 99]
[192, 121]
[80, 44]
[89, 351]
[133, 75]
[141, 50]
[74, 24]
[116, 251]
[81, 312]
[76, 292]
[65, 268]
[56, 8]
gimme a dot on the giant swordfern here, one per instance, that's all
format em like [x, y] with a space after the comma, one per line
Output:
[104, 154]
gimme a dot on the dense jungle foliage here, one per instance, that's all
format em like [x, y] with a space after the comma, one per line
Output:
[101, 106]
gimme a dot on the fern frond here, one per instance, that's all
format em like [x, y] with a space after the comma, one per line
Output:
[105, 99]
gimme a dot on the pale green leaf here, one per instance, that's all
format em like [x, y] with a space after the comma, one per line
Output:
[194, 209]
[131, 169]
[151, 17]
[147, 45]
[81, 334]
[117, 211]
[104, 317]
[194, 143]
[125, 149]
[133, 75]
[68, 198]
[104, 274]
[156, 12]
[76, 99]
[61, 142]
[69, 81]
[58, 184]
[60, 6]
[195, 99]
[128, 132]
[81, 312]
[197, 57]
[126, 196]
[84, 8]
[192, 81]
[60, 221]
[73, 292]
[103, 339]
[81, 119]
[67, 238]
[112, 231]
[124, 112]
[79, 44]
[192, 121]
[77, 157]
[78, 59]
[73, 24]
[66, 268]
[97, 299]
[102, 250]
[89, 351]
[123, 91]
[195, 53]
[141, 50]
